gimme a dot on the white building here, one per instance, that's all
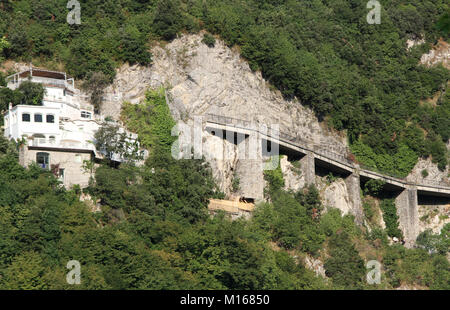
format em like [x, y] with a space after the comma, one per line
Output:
[59, 133]
[60, 121]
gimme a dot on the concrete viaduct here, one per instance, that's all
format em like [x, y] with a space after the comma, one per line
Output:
[329, 157]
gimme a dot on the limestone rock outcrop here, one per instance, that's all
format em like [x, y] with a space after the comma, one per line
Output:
[433, 217]
[201, 80]
[439, 54]
[294, 179]
[434, 174]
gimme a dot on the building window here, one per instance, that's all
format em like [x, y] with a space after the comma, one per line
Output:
[61, 175]
[25, 117]
[85, 114]
[38, 139]
[43, 160]
[78, 158]
[51, 139]
[50, 118]
[38, 118]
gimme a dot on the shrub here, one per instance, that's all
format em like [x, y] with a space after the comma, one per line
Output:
[344, 266]
[235, 184]
[373, 187]
[369, 211]
[209, 40]
[379, 234]
[390, 218]
[151, 120]
[274, 177]
[424, 173]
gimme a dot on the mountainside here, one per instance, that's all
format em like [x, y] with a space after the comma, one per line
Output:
[216, 80]
[202, 80]
[375, 94]
[359, 77]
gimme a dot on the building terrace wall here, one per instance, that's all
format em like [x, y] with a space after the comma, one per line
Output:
[70, 161]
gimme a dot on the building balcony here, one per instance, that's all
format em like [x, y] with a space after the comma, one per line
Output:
[63, 144]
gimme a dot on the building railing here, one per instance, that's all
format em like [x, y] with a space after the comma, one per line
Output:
[332, 155]
[42, 80]
[317, 149]
[383, 172]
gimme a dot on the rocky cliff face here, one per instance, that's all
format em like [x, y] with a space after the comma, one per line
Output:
[335, 195]
[201, 80]
[439, 54]
[433, 217]
[434, 174]
[293, 177]
[213, 80]
[217, 80]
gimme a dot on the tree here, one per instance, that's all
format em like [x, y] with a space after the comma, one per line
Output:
[33, 93]
[373, 187]
[345, 266]
[25, 273]
[4, 44]
[133, 46]
[435, 243]
[443, 23]
[168, 19]
[95, 85]
[9, 96]
[116, 144]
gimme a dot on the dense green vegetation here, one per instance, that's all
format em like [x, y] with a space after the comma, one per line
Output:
[390, 218]
[114, 143]
[151, 120]
[27, 93]
[357, 76]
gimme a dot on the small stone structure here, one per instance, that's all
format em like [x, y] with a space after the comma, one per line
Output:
[235, 209]
[67, 164]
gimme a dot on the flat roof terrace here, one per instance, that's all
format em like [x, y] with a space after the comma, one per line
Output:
[41, 73]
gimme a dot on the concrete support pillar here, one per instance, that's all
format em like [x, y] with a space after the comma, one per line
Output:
[353, 188]
[249, 169]
[408, 213]
[308, 168]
